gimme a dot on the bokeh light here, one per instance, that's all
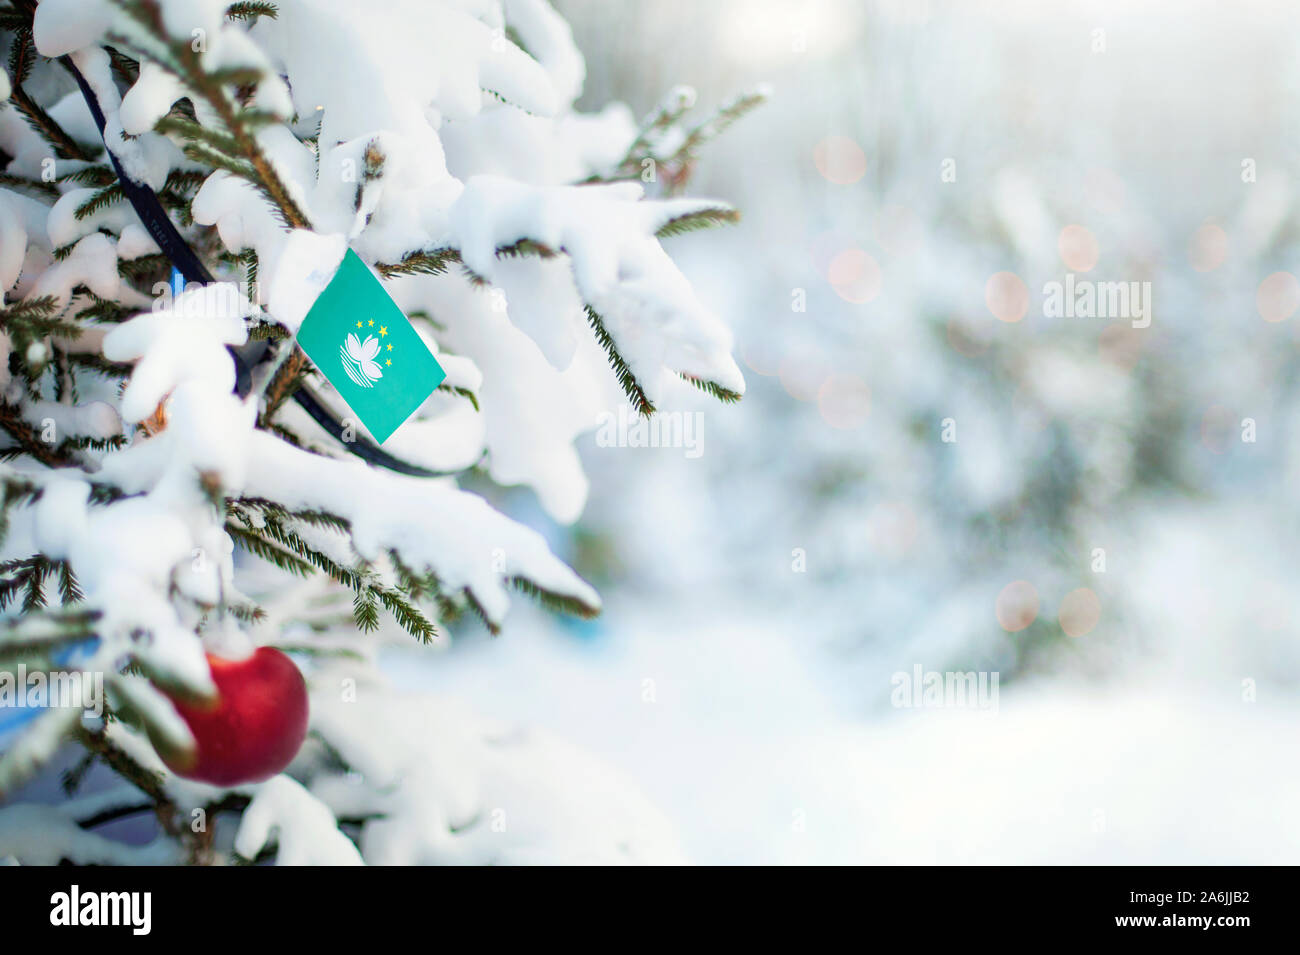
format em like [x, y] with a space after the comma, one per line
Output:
[1017, 606]
[1078, 248]
[840, 160]
[1278, 296]
[1080, 612]
[1208, 248]
[1007, 296]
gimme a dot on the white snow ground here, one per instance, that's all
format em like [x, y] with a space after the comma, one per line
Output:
[736, 740]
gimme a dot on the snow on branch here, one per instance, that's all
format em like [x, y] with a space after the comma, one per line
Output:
[450, 533]
[140, 494]
[647, 313]
[300, 826]
[45, 835]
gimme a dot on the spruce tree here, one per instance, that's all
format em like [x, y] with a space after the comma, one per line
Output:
[181, 484]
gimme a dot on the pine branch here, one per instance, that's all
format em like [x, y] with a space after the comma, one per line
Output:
[70, 780]
[14, 492]
[191, 131]
[187, 181]
[246, 612]
[69, 590]
[35, 580]
[287, 379]
[267, 331]
[408, 616]
[252, 9]
[98, 363]
[107, 815]
[502, 98]
[89, 176]
[365, 610]
[39, 633]
[725, 395]
[22, 55]
[678, 164]
[114, 442]
[431, 262]
[292, 542]
[368, 592]
[206, 155]
[45, 190]
[372, 169]
[144, 267]
[29, 442]
[560, 603]
[254, 543]
[14, 20]
[666, 114]
[147, 781]
[102, 199]
[33, 319]
[241, 147]
[720, 122]
[125, 68]
[435, 262]
[461, 392]
[631, 387]
[697, 221]
[314, 518]
[31, 573]
[102, 310]
[525, 248]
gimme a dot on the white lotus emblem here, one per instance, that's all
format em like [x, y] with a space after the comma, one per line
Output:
[359, 360]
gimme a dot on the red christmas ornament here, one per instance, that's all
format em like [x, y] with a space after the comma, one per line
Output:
[255, 727]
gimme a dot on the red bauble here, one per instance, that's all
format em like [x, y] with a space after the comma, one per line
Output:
[256, 725]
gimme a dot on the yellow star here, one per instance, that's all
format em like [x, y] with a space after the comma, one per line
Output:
[390, 347]
[371, 322]
[358, 324]
[389, 362]
[382, 331]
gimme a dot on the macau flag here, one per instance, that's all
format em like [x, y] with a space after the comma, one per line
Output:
[366, 347]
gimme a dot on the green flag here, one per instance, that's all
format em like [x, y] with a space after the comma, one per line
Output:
[366, 347]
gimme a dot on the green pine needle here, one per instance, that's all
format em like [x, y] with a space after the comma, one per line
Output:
[725, 395]
[251, 10]
[631, 387]
[256, 544]
[697, 221]
[462, 393]
[420, 262]
[102, 199]
[557, 602]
